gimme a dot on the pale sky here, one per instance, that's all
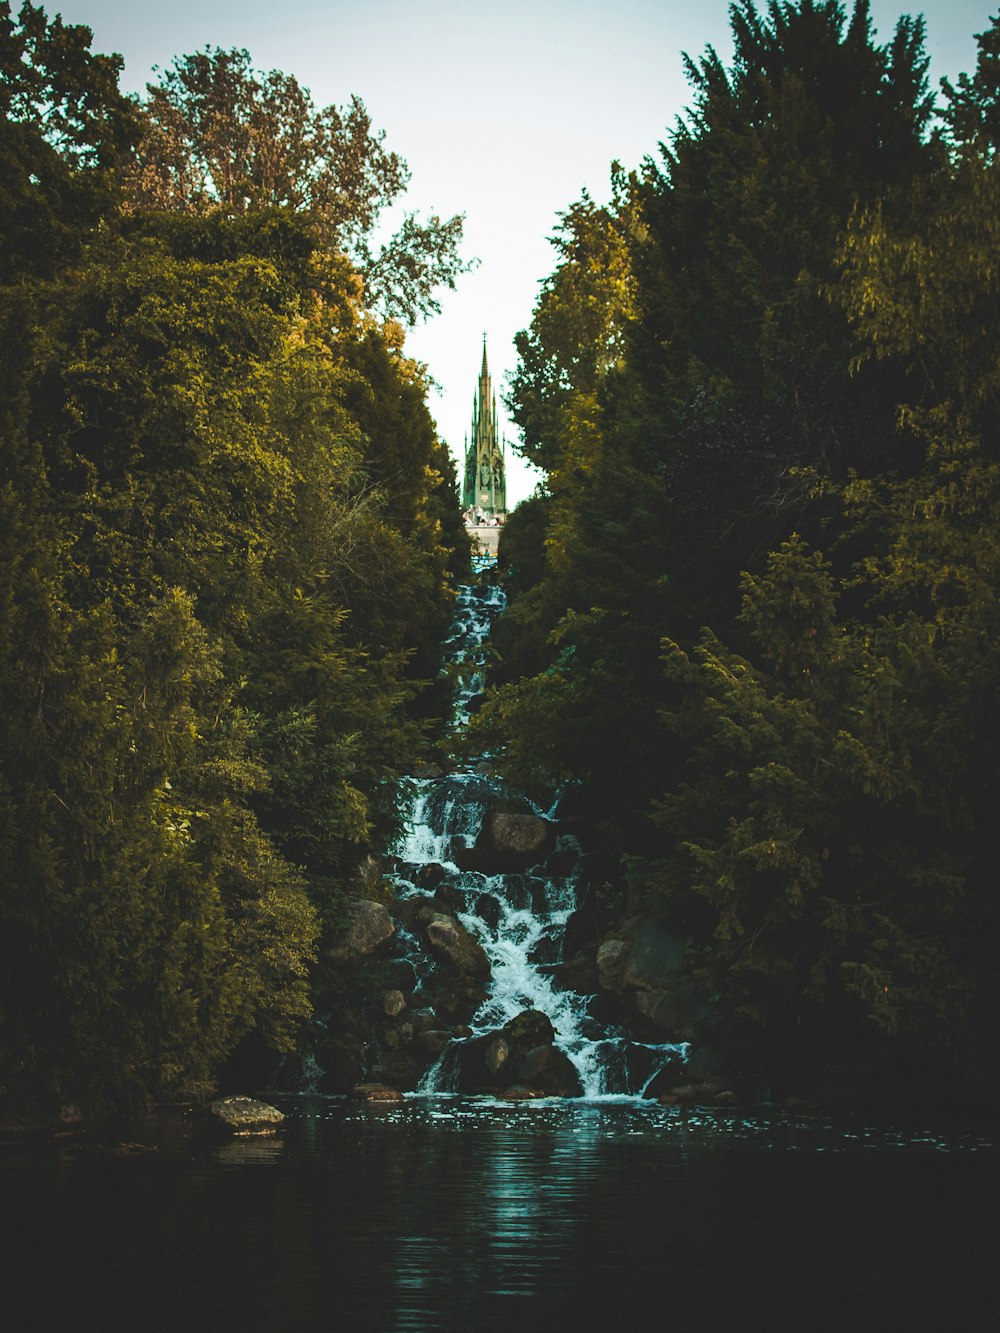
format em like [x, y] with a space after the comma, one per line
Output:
[503, 111]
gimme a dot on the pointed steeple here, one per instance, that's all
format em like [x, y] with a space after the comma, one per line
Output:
[485, 482]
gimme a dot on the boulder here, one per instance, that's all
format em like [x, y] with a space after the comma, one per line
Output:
[661, 1009]
[487, 908]
[418, 909]
[450, 940]
[376, 1093]
[666, 1077]
[549, 1070]
[429, 876]
[433, 1041]
[641, 965]
[393, 1003]
[458, 1001]
[610, 963]
[679, 1014]
[242, 1115]
[546, 952]
[579, 974]
[529, 1027]
[496, 1055]
[654, 958]
[584, 925]
[562, 863]
[520, 1055]
[424, 1019]
[714, 1091]
[641, 954]
[525, 836]
[369, 926]
[397, 1066]
[508, 841]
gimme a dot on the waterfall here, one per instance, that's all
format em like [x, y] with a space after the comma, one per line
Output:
[518, 918]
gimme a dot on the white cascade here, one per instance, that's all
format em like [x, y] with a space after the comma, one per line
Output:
[519, 919]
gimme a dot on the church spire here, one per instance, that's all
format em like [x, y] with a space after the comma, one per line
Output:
[485, 485]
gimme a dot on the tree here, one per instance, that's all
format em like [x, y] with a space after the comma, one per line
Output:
[209, 686]
[578, 329]
[972, 108]
[921, 287]
[686, 366]
[219, 134]
[64, 128]
[808, 348]
[810, 841]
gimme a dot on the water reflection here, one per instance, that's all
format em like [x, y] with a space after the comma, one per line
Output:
[464, 1214]
[250, 1151]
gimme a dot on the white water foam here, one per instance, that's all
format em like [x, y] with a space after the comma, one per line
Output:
[518, 919]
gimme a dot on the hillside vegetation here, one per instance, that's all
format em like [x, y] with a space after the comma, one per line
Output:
[228, 538]
[754, 608]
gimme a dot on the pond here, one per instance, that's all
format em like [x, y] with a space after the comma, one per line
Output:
[464, 1213]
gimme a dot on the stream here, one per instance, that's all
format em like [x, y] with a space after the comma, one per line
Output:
[519, 918]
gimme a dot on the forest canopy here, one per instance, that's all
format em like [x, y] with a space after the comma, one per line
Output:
[754, 607]
[228, 540]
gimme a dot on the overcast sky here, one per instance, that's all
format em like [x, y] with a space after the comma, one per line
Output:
[504, 112]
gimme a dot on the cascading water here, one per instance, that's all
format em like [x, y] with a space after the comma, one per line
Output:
[518, 918]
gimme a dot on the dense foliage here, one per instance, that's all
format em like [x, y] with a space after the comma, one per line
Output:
[227, 538]
[215, 132]
[754, 610]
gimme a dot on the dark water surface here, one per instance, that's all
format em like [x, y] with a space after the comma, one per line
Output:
[462, 1214]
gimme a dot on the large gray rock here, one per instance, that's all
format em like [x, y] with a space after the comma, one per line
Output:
[642, 954]
[529, 1028]
[525, 836]
[521, 1055]
[369, 927]
[242, 1115]
[548, 1069]
[496, 1055]
[643, 962]
[654, 958]
[433, 1041]
[656, 1005]
[610, 963]
[399, 1068]
[450, 940]
[376, 1094]
[508, 841]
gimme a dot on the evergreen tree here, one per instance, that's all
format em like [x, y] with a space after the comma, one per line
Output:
[793, 445]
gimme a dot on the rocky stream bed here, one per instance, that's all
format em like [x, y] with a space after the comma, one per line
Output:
[472, 962]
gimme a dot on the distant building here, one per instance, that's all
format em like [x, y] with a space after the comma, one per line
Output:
[485, 488]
